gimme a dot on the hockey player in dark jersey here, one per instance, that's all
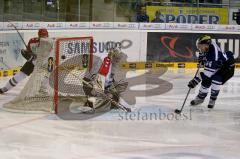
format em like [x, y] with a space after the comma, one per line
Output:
[29, 55]
[218, 69]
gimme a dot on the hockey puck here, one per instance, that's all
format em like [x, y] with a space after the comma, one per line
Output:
[177, 111]
[63, 57]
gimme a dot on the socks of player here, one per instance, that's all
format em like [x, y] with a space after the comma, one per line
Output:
[14, 81]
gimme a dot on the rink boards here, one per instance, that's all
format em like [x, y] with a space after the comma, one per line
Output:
[132, 66]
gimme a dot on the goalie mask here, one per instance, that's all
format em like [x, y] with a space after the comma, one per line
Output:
[42, 33]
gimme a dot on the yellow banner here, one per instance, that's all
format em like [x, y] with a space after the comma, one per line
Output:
[134, 66]
[189, 15]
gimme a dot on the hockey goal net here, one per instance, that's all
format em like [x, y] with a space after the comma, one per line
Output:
[59, 66]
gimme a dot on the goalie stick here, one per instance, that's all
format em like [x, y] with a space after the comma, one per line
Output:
[177, 111]
[119, 105]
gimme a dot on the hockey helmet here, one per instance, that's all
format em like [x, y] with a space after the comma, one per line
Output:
[205, 39]
[42, 32]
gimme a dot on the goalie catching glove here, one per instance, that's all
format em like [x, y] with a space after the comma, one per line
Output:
[28, 55]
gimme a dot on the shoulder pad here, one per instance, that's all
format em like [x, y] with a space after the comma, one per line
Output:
[34, 40]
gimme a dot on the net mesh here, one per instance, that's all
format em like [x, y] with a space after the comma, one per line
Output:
[57, 67]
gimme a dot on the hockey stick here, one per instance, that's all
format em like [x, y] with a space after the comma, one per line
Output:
[119, 105]
[177, 111]
[33, 56]
[18, 33]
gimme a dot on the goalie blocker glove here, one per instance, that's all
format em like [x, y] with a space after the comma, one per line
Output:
[105, 67]
[194, 82]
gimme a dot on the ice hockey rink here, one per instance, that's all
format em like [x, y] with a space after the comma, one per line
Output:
[200, 134]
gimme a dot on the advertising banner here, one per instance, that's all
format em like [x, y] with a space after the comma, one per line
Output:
[32, 25]
[54, 25]
[181, 47]
[171, 25]
[153, 26]
[205, 27]
[230, 28]
[178, 26]
[143, 46]
[9, 26]
[10, 46]
[231, 20]
[125, 25]
[77, 25]
[189, 14]
[101, 25]
[133, 43]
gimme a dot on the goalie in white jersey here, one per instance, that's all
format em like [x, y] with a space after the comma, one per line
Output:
[107, 94]
[30, 55]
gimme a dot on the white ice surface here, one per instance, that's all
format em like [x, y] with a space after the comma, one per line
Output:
[208, 135]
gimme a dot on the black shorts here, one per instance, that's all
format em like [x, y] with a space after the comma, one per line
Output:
[27, 68]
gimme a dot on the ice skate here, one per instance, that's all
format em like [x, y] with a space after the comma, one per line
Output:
[3, 90]
[211, 104]
[196, 101]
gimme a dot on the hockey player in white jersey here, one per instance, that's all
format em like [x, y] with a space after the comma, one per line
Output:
[218, 69]
[107, 95]
[30, 56]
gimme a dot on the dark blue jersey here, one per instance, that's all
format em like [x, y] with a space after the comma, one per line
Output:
[214, 59]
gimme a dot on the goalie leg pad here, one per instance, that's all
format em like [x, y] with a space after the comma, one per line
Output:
[116, 98]
[102, 105]
[27, 68]
[87, 88]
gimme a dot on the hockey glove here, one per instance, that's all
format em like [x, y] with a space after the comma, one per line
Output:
[26, 54]
[194, 82]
